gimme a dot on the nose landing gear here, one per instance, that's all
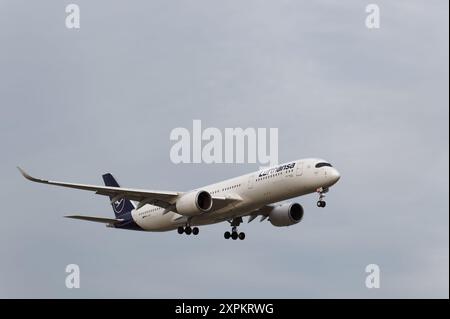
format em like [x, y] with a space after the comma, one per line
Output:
[321, 203]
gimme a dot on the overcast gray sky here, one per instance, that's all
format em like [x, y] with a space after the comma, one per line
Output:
[104, 98]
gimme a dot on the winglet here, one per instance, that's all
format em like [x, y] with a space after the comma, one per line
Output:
[31, 178]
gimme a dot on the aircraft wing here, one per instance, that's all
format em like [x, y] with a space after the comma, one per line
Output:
[162, 199]
[220, 202]
[264, 212]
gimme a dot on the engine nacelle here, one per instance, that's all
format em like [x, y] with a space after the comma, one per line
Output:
[194, 203]
[286, 215]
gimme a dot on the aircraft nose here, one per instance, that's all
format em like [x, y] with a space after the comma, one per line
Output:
[334, 175]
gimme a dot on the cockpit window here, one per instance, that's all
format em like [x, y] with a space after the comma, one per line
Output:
[322, 164]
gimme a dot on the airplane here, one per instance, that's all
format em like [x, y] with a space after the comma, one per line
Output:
[260, 193]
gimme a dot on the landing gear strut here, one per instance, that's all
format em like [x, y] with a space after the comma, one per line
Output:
[321, 202]
[234, 232]
[188, 230]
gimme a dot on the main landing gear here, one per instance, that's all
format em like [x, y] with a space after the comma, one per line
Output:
[234, 232]
[321, 202]
[188, 230]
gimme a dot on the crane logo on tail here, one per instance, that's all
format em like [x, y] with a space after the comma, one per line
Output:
[118, 205]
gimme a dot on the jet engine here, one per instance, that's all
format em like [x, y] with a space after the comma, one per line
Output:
[286, 215]
[194, 203]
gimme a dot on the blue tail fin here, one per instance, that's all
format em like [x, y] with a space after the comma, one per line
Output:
[121, 206]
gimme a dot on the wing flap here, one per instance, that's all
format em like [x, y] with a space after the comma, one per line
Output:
[264, 212]
[220, 202]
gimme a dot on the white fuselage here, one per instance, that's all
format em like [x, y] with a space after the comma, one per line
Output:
[253, 190]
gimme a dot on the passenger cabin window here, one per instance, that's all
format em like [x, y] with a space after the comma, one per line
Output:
[322, 164]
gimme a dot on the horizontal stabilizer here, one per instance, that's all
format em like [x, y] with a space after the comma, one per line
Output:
[96, 219]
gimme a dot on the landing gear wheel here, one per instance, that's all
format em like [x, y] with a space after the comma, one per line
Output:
[234, 234]
[195, 230]
[321, 203]
[180, 230]
[188, 230]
